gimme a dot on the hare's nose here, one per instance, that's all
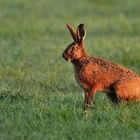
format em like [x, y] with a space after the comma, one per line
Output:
[63, 55]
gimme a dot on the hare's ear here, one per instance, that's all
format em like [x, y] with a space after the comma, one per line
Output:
[73, 32]
[81, 33]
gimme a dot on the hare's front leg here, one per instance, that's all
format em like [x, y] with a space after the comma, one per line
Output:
[88, 99]
[89, 96]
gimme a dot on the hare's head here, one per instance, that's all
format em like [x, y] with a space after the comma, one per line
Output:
[75, 50]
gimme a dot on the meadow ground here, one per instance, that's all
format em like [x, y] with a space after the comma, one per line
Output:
[39, 98]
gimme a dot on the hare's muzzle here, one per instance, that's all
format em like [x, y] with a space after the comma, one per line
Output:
[65, 57]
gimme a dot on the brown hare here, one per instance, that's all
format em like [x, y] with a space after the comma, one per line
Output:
[97, 74]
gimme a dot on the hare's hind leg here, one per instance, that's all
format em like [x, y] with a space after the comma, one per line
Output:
[128, 90]
[111, 94]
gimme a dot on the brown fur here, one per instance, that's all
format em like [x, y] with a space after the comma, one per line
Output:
[96, 74]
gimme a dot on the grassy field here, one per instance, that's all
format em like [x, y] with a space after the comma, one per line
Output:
[39, 98]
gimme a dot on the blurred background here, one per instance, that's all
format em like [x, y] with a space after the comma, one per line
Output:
[37, 86]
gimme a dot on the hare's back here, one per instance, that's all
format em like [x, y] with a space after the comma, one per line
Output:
[112, 68]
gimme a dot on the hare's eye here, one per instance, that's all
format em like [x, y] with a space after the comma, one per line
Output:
[71, 49]
[74, 48]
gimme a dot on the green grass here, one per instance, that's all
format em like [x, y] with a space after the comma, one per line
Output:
[39, 98]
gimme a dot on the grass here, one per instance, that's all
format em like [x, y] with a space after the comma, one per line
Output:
[39, 98]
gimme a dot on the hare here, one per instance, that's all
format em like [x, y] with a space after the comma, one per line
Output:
[97, 74]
